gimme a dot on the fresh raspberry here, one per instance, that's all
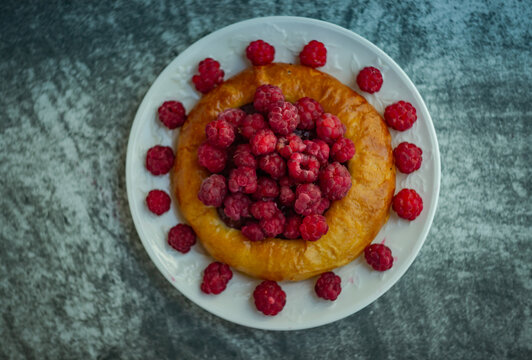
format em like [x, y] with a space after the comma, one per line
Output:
[232, 116]
[274, 225]
[400, 116]
[215, 278]
[172, 114]
[407, 204]
[283, 119]
[253, 231]
[342, 150]
[266, 188]
[267, 96]
[263, 142]
[314, 54]
[220, 133]
[235, 224]
[210, 75]
[379, 257]
[407, 157]
[303, 168]
[251, 124]
[259, 52]
[181, 238]
[269, 298]
[244, 157]
[328, 286]
[287, 196]
[322, 206]
[263, 209]
[243, 179]
[236, 206]
[329, 128]
[309, 111]
[313, 227]
[319, 149]
[158, 202]
[290, 144]
[287, 181]
[159, 159]
[291, 228]
[335, 181]
[369, 79]
[308, 197]
[273, 164]
[212, 158]
[212, 191]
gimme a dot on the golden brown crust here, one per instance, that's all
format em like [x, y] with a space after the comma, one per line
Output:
[353, 221]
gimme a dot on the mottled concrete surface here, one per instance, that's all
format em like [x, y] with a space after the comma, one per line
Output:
[75, 281]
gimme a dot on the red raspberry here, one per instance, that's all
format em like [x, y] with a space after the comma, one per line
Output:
[291, 228]
[313, 227]
[243, 179]
[210, 75]
[215, 278]
[335, 181]
[319, 149]
[266, 188]
[260, 52]
[283, 119]
[212, 191]
[159, 160]
[172, 114]
[264, 209]
[328, 286]
[369, 79]
[181, 238]
[220, 133]
[290, 144]
[253, 231]
[309, 111]
[212, 158]
[273, 164]
[251, 124]
[267, 96]
[308, 197]
[232, 116]
[244, 157]
[274, 225]
[287, 196]
[287, 181]
[343, 150]
[158, 202]
[314, 54]
[407, 157]
[379, 257]
[269, 298]
[263, 142]
[236, 206]
[400, 116]
[322, 206]
[329, 128]
[407, 204]
[303, 168]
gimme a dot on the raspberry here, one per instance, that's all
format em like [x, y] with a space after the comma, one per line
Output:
[212, 191]
[236, 206]
[251, 124]
[259, 52]
[215, 278]
[400, 116]
[269, 298]
[243, 179]
[232, 116]
[309, 111]
[319, 149]
[267, 96]
[407, 157]
[273, 164]
[212, 158]
[244, 157]
[313, 227]
[253, 231]
[159, 159]
[263, 142]
[158, 202]
[235, 224]
[291, 228]
[379, 257]
[407, 204]
[210, 75]
[303, 168]
[283, 119]
[335, 181]
[369, 79]
[172, 114]
[308, 197]
[181, 238]
[329, 128]
[266, 188]
[290, 144]
[274, 225]
[314, 54]
[220, 133]
[343, 150]
[322, 206]
[264, 209]
[287, 196]
[328, 286]
[287, 181]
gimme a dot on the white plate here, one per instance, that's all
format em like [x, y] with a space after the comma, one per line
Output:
[347, 54]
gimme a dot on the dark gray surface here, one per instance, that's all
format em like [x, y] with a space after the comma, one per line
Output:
[75, 280]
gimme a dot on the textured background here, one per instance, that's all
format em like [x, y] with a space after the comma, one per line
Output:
[75, 281]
